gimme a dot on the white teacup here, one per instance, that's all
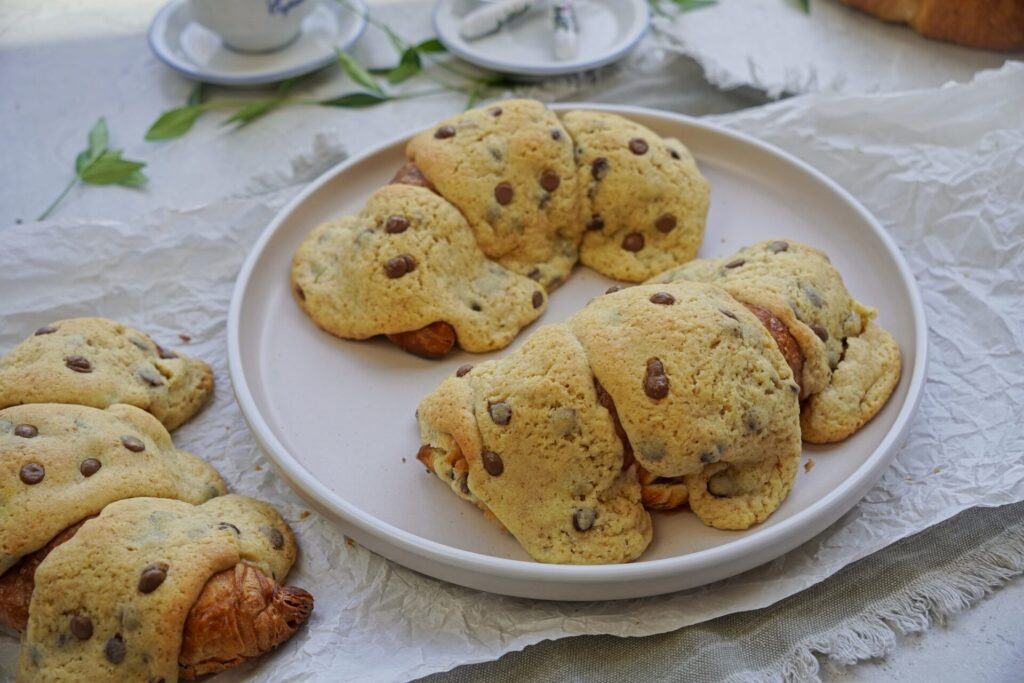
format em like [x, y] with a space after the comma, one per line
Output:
[253, 25]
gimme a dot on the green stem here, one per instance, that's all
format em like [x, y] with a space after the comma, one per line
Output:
[51, 207]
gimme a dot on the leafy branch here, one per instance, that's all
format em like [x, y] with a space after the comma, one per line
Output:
[414, 59]
[99, 165]
[657, 6]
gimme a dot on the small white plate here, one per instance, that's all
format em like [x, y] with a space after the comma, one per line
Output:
[608, 29]
[336, 417]
[198, 53]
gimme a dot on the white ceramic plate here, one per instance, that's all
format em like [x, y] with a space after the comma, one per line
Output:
[608, 29]
[198, 53]
[336, 417]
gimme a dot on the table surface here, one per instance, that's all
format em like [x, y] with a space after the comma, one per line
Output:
[49, 105]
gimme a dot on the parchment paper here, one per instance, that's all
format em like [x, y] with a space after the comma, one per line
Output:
[941, 169]
[772, 45]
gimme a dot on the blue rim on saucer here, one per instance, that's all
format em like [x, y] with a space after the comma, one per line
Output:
[501, 58]
[328, 28]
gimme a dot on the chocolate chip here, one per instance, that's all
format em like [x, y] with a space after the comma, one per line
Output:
[166, 354]
[133, 444]
[613, 289]
[550, 181]
[495, 111]
[273, 535]
[46, 329]
[556, 134]
[777, 246]
[751, 421]
[634, 241]
[115, 650]
[463, 370]
[89, 467]
[224, 526]
[813, 296]
[655, 381]
[444, 132]
[708, 457]
[728, 314]
[400, 265]
[464, 485]
[820, 331]
[503, 193]
[500, 412]
[78, 363]
[493, 463]
[675, 154]
[735, 263]
[599, 168]
[583, 518]
[722, 485]
[396, 224]
[596, 223]
[663, 298]
[26, 431]
[32, 473]
[81, 627]
[476, 307]
[534, 274]
[152, 577]
[538, 299]
[795, 388]
[666, 223]
[638, 146]
[302, 294]
[151, 377]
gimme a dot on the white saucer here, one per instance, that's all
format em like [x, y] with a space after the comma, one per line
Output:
[608, 30]
[198, 53]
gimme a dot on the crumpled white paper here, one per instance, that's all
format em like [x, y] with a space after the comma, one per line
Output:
[941, 169]
[771, 45]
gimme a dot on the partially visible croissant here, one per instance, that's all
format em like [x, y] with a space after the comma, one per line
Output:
[241, 612]
[988, 24]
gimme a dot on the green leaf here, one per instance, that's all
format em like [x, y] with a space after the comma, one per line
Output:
[196, 96]
[396, 42]
[474, 97]
[432, 45]
[98, 138]
[356, 100]
[357, 73]
[174, 123]
[136, 179]
[805, 5]
[109, 168]
[409, 66]
[251, 112]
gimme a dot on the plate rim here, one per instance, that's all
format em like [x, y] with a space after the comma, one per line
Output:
[557, 68]
[787, 534]
[158, 46]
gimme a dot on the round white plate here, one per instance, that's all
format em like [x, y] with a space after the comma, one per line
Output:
[608, 29]
[199, 53]
[336, 417]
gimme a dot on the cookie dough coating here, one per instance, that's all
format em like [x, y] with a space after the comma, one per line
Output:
[99, 362]
[643, 200]
[695, 381]
[509, 169]
[860, 386]
[409, 260]
[540, 452]
[133, 574]
[802, 289]
[85, 458]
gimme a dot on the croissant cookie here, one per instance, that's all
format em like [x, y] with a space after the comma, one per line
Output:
[99, 362]
[114, 586]
[492, 209]
[846, 364]
[680, 380]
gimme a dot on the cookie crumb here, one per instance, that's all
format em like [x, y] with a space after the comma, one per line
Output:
[809, 465]
[185, 339]
[349, 542]
[936, 470]
[305, 514]
[259, 468]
